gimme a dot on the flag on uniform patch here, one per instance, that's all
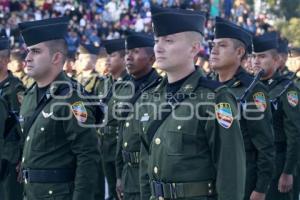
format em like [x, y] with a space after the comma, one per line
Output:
[260, 101]
[79, 111]
[292, 97]
[224, 114]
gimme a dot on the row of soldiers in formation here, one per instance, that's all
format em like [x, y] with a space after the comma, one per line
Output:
[172, 137]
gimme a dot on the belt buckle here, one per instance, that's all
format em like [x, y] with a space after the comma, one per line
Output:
[158, 189]
[173, 190]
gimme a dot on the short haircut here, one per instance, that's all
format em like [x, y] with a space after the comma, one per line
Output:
[55, 46]
[240, 44]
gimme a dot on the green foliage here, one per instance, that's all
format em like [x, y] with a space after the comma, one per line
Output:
[290, 30]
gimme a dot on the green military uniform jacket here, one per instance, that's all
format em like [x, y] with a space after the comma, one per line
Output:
[257, 130]
[3, 118]
[60, 138]
[129, 143]
[199, 146]
[91, 82]
[12, 89]
[112, 92]
[285, 110]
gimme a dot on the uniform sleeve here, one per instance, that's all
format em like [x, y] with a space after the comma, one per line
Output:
[119, 158]
[260, 129]
[84, 145]
[227, 147]
[291, 118]
[3, 117]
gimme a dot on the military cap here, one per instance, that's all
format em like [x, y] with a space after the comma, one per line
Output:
[265, 42]
[226, 29]
[283, 46]
[137, 40]
[89, 49]
[168, 21]
[112, 46]
[4, 43]
[44, 30]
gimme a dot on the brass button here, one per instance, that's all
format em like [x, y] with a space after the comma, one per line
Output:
[125, 144]
[209, 191]
[23, 159]
[50, 192]
[28, 138]
[179, 127]
[42, 129]
[209, 184]
[155, 170]
[157, 141]
[143, 129]
[127, 124]
[22, 130]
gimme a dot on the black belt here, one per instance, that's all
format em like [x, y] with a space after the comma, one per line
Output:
[280, 147]
[48, 175]
[182, 190]
[131, 157]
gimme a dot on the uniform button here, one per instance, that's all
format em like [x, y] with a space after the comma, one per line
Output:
[209, 185]
[143, 129]
[50, 192]
[127, 124]
[42, 129]
[179, 127]
[209, 191]
[160, 198]
[22, 130]
[155, 170]
[125, 144]
[157, 141]
[23, 159]
[28, 138]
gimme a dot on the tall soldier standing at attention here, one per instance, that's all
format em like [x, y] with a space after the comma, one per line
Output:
[284, 97]
[60, 155]
[195, 145]
[229, 48]
[11, 89]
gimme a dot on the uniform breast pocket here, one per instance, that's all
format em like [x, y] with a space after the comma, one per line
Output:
[43, 139]
[181, 142]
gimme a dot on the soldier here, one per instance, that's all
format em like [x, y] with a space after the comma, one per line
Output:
[11, 89]
[17, 66]
[195, 145]
[139, 60]
[284, 98]
[108, 91]
[229, 48]
[86, 62]
[69, 66]
[60, 155]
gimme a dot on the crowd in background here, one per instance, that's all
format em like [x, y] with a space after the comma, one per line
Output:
[93, 21]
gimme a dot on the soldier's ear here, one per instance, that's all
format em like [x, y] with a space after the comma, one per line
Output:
[241, 52]
[57, 58]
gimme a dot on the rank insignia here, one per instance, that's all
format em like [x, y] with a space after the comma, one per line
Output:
[292, 98]
[260, 101]
[79, 111]
[224, 114]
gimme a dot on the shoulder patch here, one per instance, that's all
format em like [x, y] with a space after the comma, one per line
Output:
[79, 111]
[211, 84]
[260, 101]
[224, 114]
[292, 97]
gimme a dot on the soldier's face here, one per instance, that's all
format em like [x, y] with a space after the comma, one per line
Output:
[172, 52]
[115, 62]
[266, 61]
[38, 61]
[137, 61]
[224, 54]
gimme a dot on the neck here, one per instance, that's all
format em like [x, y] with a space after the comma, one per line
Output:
[180, 73]
[117, 74]
[46, 81]
[86, 72]
[226, 74]
[142, 74]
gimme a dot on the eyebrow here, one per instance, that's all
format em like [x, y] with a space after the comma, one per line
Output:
[34, 49]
